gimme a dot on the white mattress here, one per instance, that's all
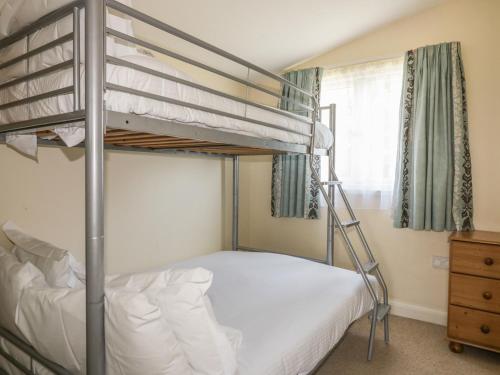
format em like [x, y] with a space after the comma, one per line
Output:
[126, 103]
[291, 311]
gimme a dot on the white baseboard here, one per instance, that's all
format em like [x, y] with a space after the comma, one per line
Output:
[417, 312]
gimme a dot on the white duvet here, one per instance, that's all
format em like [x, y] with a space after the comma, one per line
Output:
[290, 311]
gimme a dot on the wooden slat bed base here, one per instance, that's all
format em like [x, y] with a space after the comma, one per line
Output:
[127, 138]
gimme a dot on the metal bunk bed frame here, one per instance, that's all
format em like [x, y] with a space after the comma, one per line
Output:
[98, 119]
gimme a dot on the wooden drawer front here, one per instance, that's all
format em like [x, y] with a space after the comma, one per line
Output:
[475, 259]
[477, 327]
[475, 292]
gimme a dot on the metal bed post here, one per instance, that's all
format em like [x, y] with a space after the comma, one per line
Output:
[76, 59]
[330, 244]
[236, 196]
[94, 192]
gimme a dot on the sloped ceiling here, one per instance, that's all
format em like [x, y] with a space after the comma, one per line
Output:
[276, 33]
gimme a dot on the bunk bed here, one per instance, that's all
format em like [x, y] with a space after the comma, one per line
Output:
[118, 98]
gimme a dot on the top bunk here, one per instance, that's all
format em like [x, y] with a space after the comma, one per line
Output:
[150, 105]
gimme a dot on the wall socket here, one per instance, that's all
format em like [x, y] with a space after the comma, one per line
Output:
[440, 262]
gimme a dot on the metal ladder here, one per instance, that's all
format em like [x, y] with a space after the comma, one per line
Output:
[380, 311]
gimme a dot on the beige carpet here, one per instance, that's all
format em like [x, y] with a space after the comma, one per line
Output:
[415, 348]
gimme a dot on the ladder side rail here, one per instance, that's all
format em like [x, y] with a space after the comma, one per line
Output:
[359, 231]
[330, 225]
[351, 249]
[353, 217]
[378, 273]
[357, 261]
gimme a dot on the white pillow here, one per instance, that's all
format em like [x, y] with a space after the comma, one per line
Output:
[15, 277]
[22, 12]
[16, 14]
[29, 11]
[16, 70]
[53, 321]
[120, 48]
[60, 268]
[185, 308]
[139, 340]
[18, 354]
[235, 336]
[7, 15]
[181, 294]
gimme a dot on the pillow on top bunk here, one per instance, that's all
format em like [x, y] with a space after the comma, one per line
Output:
[23, 12]
[15, 14]
[59, 267]
[14, 278]
[8, 9]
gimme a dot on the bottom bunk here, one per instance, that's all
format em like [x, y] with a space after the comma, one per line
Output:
[291, 311]
[282, 315]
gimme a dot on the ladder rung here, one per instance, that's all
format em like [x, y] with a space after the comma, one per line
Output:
[350, 223]
[331, 183]
[382, 311]
[370, 266]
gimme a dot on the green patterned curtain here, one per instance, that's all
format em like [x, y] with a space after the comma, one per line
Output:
[433, 188]
[294, 193]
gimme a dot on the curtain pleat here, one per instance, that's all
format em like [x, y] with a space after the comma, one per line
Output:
[433, 187]
[294, 192]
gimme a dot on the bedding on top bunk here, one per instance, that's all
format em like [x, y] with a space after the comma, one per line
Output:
[122, 102]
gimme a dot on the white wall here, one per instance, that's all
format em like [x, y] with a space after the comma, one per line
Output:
[159, 208]
[417, 289]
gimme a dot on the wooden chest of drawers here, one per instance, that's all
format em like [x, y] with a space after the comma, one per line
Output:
[474, 291]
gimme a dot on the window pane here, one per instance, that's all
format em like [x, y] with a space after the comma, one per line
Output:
[367, 98]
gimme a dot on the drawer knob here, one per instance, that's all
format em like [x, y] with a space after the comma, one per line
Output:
[488, 261]
[485, 329]
[487, 295]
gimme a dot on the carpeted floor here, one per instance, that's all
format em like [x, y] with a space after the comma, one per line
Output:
[415, 348]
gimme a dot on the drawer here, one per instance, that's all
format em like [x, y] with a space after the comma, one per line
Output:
[476, 292]
[474, 326]
[475, 259]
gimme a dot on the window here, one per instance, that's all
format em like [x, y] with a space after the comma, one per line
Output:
[367, 98]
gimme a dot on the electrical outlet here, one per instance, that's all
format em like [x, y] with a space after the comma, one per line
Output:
[440, 262]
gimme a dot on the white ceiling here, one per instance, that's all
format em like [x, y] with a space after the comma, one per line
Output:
[278, 33]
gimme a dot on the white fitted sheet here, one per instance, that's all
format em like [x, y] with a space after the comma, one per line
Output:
[126, 103]
[291, 311]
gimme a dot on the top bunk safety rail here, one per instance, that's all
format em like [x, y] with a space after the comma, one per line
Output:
[307, 103]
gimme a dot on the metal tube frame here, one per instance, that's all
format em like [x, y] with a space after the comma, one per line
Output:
[236, 206]
[330, 225]
[94, 185]
[76, 59]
